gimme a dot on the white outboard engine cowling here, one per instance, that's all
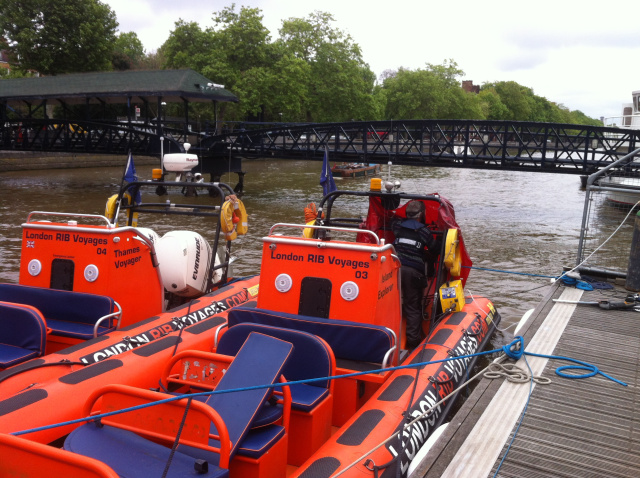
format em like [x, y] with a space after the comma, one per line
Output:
[150, 234]
[184, 258]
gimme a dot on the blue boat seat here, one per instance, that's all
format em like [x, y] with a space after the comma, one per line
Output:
[353, 341]
[311, 358]
[132, 456]
[259, 362]
[311, 403]
[23, 333]
[260, 440]
[68, 314]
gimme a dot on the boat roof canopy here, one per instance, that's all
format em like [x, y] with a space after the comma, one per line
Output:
[171, 86]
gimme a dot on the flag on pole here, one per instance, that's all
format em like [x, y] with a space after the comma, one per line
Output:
[326, 178]
[130, 176]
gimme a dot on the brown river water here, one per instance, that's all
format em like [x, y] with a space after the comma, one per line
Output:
[511, 221]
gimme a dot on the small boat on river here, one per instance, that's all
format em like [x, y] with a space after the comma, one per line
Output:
[311, 377]
[355, 170]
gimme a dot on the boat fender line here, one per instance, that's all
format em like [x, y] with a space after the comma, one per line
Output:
[452, 255]
[178, 435]
[34, 366]
[371, 466]
[233, 218]
[179, 338]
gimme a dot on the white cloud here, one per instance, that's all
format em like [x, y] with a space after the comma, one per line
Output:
[579, 53]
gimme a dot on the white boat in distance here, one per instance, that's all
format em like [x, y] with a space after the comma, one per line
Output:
[629, 189]
[630, 117]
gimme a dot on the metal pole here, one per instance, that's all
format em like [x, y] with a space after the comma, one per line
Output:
[632, 282]
[590, 181]
[162, 154]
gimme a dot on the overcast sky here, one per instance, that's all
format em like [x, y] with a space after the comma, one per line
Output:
[583, 54]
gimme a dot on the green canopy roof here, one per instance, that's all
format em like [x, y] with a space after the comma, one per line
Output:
[115, 87]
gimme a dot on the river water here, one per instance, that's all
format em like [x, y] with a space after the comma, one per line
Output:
[511, 221]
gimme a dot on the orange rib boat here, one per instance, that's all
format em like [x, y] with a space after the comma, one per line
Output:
[308, 379]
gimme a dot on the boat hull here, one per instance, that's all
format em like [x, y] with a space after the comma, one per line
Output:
[355, 172]
[382, 416]
[52, 389]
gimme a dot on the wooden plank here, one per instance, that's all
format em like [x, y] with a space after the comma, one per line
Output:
[572, 428]
[482, 447]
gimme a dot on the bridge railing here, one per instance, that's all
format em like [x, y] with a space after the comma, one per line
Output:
[458, 143]
[31, 134]
[546, 147]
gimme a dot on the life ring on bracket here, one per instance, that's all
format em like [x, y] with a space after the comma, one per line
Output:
[111, 206]
[452, 256]
[233, 219]
[308, 231]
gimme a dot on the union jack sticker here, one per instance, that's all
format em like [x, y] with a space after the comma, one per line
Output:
[31, 244]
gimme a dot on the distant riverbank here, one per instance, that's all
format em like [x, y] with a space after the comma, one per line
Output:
[34, 160]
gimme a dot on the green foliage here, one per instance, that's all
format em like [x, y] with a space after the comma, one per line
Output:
[508, 100]
[492, 106]
[340, 84]
[128, 52]
[61, 36]
[6, 74]
[433, 92]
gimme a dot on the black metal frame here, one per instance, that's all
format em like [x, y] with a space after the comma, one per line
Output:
[216, 190]
[509, 145]
[328, 200]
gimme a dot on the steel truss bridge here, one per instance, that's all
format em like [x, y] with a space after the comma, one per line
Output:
[508, 145]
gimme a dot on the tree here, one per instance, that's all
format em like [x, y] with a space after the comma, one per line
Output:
[340, 82]
[492, 106]
[128, 52]
[516, 98]
[235, 52]
[186, 47]
[433, 92]
[61, 36]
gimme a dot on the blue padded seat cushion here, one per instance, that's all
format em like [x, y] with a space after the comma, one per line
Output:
[258, 362]
[76, 329]
[11, 355]
[259, 441]
[307, 396]
[310, 359]
[267, 415]
[23, 333]
[132, 456]
[348, 340]
[62, 308]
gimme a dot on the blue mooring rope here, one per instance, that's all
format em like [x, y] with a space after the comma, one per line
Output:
[509, 272]
[514, 350]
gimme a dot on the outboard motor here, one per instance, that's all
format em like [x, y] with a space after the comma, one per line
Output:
[184, 258]
[150, 234]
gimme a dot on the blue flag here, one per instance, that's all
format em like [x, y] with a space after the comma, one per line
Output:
[130, 176]
[326, 178]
